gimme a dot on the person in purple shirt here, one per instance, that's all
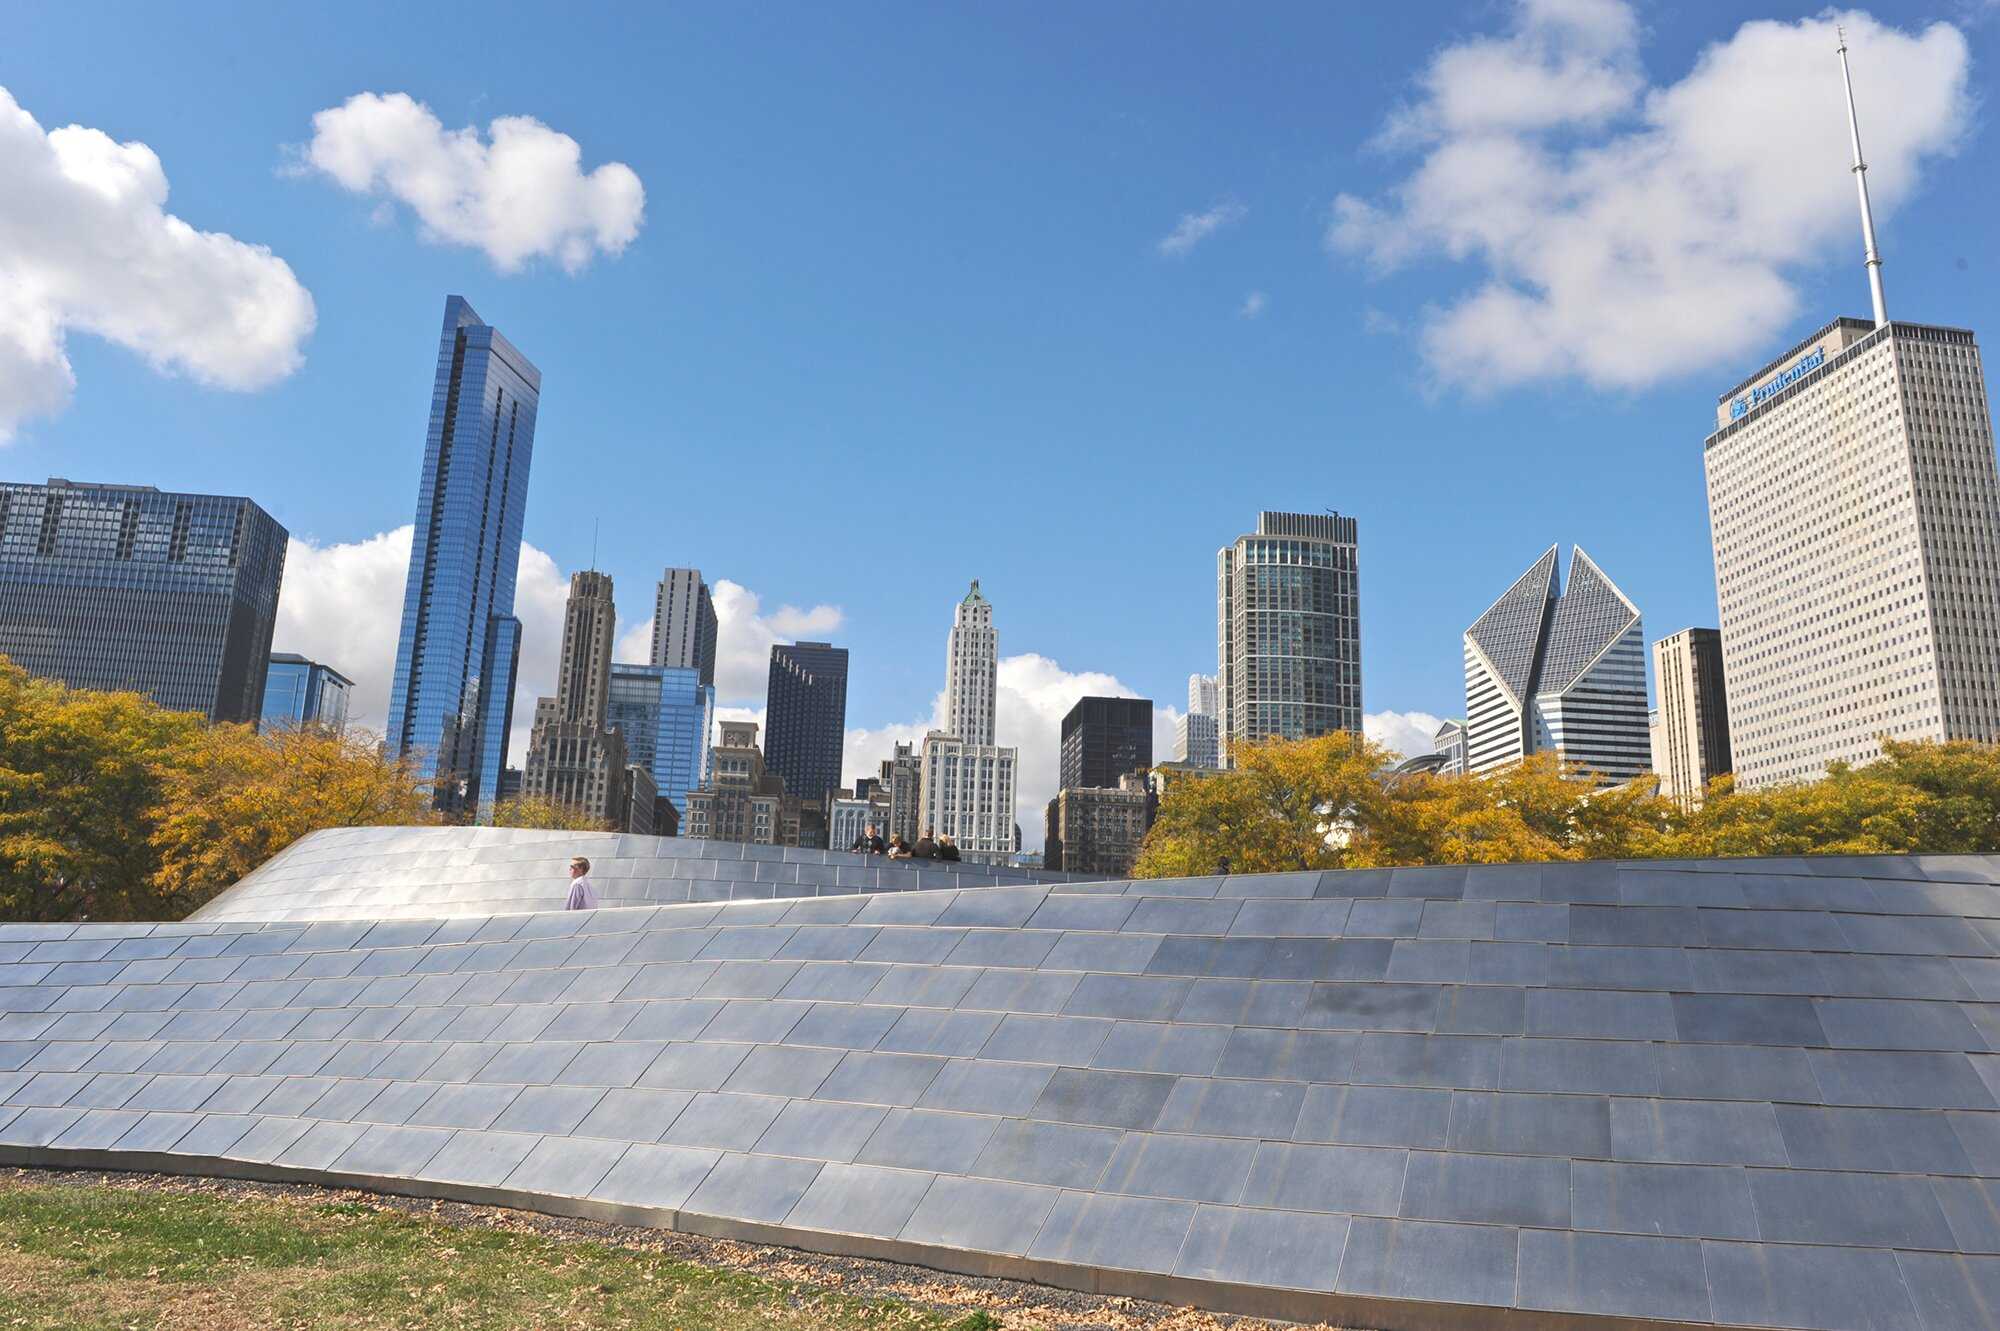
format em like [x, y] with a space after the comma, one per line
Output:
[581, 895]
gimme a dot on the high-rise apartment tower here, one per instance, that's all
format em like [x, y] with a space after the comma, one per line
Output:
[684, 623]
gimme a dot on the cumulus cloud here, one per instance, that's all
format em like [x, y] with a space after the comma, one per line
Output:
[1253, 305]
[87, 245]
[1194, 228]
[1624, 233]
[342, 604]
[517, 193]
[1408, 733]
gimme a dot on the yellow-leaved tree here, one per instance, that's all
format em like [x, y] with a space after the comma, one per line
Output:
[244, 796]
[80, 778]
[541, 811]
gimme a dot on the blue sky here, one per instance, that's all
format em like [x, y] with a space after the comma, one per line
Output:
[898, 312]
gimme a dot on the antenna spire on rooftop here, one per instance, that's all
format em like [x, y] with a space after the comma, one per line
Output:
[1861, 184]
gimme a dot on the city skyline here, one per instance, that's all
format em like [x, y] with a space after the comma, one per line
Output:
[1142, 642]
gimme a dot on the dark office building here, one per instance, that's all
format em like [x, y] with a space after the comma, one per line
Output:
[805, 718]
[1105, 738]
[125, 587]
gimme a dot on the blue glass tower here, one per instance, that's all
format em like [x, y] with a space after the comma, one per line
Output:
[664, 714]
[298, 692]
[451, 702]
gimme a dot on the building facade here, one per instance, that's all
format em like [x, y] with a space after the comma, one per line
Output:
[666, 715]
[1562, 671]
[451, 700]
[741, 801]
[575, 756]
[1855, 516]
[129, 587]
[968, 795]
[1691, 735]
[1449, 740]
[805, 718]
[1197, 737]
[1099, 830]
[972, 657]
[1103, 739]
[1288, 630]
[684, 624]
[298, 692]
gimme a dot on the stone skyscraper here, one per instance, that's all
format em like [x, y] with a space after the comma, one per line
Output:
[127, 587]
[968, 784]
[1548, 670]
[451, 701]
[1691, 739]
[971, 664]
[575, 756]
[805, 718]
[684, 623]
[1288, 630]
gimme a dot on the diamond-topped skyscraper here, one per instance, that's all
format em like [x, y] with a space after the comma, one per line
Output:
[1547, 669]
[451, 701]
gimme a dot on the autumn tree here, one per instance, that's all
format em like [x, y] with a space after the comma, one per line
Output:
[243, 796]
[80, 780]
[541, 811]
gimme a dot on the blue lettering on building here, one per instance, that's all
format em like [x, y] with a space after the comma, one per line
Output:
[1805, 365]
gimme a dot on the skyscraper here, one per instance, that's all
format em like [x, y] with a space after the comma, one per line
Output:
[1564, 671]
[298, 692]
[1288, 630]
[451, 701]
[665, 715]
[1104, 740]
[972, 656]
[1196, 738]
[967, 790]
[805, 717]
[1855, 514]
[127, 587]
[1691, 740]
[575, 757]
[684, 623]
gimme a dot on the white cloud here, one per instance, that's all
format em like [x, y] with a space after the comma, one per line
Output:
[1408, 733]
[517, 193]
[1193, 228]
[1626, 234]
[1253, 305]
[86, 245]
[342, 604]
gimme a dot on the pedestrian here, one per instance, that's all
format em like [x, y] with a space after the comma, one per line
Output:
[899, 849]
[868, 843]
[582, 896]
[926, 847]
[947, 849]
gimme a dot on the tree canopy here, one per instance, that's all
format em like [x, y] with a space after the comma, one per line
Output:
[1334, 802]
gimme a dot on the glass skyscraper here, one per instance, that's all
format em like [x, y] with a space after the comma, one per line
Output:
[451, 702]
[664, 714]
[805, 717]
[298, 692]
[127, 587]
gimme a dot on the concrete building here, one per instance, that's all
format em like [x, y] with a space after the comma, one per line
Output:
[1855, 516]
[1562, 671]
[741, 801]
[972, 656]
[805, 718]
[1103, 739]
[451, 701]
[903, 777]
[665, 715]
[1691, 734]
[1288, 630]
[1197, 736]
[684, 624]
[1450, 741]
[851, 812]
[575, 756]
[1097, 831]
[298, 692]
[129, 587]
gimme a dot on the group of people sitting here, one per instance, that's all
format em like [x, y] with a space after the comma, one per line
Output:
[927, 847]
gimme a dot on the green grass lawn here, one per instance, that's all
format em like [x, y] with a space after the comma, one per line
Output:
[107, 1258]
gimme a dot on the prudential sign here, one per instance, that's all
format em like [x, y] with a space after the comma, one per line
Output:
[1784, 379]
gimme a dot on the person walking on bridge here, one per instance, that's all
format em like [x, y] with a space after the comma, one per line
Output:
[582, 896]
